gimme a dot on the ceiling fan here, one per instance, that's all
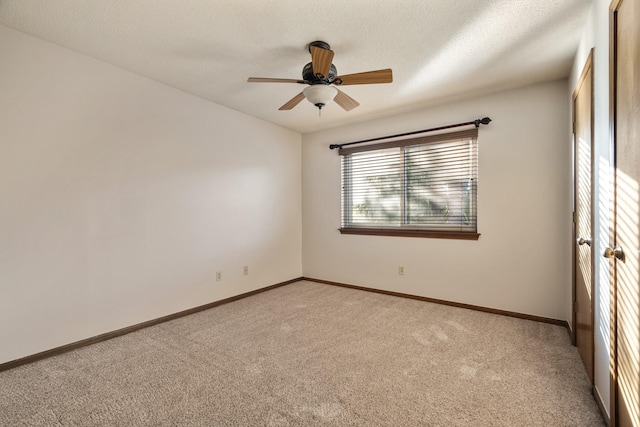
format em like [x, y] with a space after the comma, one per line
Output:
[321, 76]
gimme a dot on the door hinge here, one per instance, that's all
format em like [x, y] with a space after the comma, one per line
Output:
[573, 127]
[575, 217]
[575, 306]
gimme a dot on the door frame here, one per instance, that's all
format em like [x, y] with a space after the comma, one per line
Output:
[613, 296]
[588, 66]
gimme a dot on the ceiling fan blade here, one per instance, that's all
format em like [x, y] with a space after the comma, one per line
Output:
[345, 101]
[269, 80]
[321, 60]
[292, 102]
[369, 77]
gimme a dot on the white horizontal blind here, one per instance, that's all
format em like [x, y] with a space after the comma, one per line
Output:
[427, 183]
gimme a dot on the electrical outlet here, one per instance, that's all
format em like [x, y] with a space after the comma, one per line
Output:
[218, 276]
[401, 270]
[245, 270]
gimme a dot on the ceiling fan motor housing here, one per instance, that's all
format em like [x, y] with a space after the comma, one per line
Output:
[307, 74]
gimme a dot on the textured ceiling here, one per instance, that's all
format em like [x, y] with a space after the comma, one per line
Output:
[438, 49]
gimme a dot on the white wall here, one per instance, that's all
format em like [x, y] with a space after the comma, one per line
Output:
[596, 36]
[121, 197]
[522, 261]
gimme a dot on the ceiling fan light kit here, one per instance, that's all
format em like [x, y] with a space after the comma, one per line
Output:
[321, 76]
[320, 95]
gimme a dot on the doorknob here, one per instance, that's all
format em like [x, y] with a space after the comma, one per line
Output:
[581, 241]
[616, 252]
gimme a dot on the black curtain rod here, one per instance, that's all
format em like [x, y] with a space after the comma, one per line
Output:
[476, 122]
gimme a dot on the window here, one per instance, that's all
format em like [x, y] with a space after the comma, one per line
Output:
[419, 187]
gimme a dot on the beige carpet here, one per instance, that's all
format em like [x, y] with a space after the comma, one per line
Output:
[308, 354]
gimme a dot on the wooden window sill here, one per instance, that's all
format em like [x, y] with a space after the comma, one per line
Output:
[431, 234]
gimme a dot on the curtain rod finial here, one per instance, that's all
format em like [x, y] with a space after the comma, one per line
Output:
[484, 121]
[334, 146]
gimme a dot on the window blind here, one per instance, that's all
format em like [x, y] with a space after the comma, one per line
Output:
[420, 184]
